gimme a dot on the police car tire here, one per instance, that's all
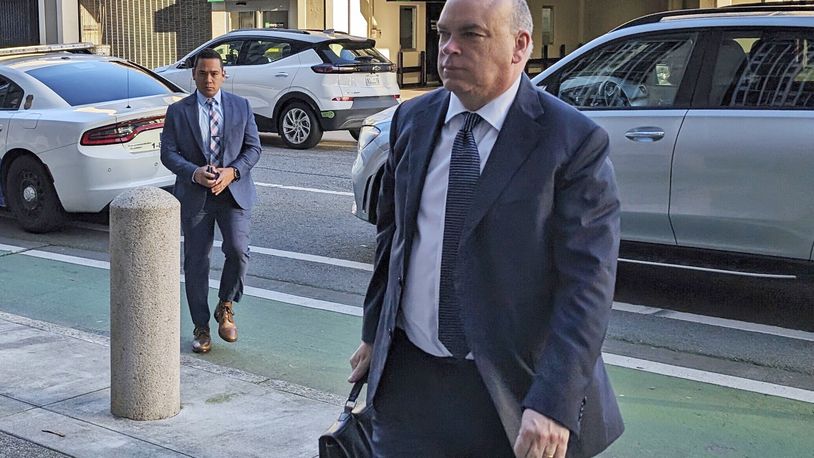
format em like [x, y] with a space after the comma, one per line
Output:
[43, 211]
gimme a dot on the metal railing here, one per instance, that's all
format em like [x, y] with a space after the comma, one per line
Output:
[421, 69]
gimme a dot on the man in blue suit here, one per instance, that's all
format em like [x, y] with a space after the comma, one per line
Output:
[498, 233]
[210, 143]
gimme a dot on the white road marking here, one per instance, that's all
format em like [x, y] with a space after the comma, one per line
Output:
[612, 359]
[696, 375]
[707, 269]
[307, 257]
[296, 300]
[11, 248]
[298, 188]
[715, 321]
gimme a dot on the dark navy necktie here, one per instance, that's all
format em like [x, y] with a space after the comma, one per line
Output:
[464, 171]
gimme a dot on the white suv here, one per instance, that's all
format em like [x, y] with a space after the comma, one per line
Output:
[300, 82]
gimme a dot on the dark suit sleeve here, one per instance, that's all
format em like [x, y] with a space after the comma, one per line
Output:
[171, 157]
[586, 245]
[250, 152]
[385, 228]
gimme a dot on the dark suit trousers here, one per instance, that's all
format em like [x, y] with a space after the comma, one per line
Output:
[199, 233]
[434, 407]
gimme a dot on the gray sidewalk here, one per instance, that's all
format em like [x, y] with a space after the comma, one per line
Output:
[55, 396]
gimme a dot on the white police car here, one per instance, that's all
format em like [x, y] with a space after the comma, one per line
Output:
[76, 130]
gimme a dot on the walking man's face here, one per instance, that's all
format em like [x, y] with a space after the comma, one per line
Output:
[479, 53]
[209, 76]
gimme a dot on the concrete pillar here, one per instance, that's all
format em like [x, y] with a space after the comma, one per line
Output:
[145, 307]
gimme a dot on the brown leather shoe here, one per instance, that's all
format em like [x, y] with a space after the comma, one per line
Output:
[202, 343]
[226, 321]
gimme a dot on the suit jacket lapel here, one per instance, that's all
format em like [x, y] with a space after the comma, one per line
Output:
[227, 110]
[425, 132]
[192, 118]
[513, 145]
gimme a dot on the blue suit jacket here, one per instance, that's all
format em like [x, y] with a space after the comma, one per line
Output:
[182, 150]
[536, 266]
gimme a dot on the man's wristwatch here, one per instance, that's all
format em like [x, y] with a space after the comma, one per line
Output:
[237, 174]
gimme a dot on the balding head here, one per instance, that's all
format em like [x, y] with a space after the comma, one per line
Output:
[483, 47]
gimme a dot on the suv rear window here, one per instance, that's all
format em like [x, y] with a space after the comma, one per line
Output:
[764, 70]
[351, 53]
[86, 82]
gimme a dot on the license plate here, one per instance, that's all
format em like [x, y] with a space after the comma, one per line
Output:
[372, 80]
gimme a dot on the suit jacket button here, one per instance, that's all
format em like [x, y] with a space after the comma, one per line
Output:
[390, 332]
[401, 281]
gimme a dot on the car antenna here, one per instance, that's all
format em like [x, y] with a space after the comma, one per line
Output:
[128, 86]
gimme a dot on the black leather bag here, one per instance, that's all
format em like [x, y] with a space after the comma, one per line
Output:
[350, 436]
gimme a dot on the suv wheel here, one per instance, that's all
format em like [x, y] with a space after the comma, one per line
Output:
[298, 126]
[32, 197]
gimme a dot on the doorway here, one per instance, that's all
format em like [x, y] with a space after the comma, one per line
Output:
[433, 12]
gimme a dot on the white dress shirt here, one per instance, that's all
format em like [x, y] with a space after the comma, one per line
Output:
[419, 309]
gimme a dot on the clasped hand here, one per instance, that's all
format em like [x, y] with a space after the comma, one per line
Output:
[217, 181]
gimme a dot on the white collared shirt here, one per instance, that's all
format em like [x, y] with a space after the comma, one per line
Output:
[419, 309]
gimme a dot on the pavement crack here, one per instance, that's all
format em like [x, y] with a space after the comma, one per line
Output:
[38, 444]
[131, 436]
[74, 397]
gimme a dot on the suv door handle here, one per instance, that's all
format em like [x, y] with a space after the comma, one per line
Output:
[645, 134]
[281, 75]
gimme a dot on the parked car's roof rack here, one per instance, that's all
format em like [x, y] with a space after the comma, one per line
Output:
[39, 49]
[747, 8]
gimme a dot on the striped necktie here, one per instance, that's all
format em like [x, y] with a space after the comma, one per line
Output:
[464, 171]
[214, 132]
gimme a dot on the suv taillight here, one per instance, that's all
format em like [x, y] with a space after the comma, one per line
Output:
[121, 132]
[328, 68]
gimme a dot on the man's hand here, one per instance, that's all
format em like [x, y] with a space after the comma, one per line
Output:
[360, 362]
[203, 178]
[227, 176]
[540, 437]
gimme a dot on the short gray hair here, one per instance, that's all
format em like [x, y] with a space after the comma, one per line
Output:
[521, 20]
[521, 16]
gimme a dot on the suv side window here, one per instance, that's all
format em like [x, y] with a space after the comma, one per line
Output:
[642, 72]
[11, 95]
[764, 70]
[264, 51]
[229, 51]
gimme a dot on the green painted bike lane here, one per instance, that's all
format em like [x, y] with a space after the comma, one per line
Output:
[664, 416]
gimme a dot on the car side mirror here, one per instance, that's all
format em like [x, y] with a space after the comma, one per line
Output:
[187, 63]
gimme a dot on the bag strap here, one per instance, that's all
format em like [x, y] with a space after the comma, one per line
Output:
[350, 404]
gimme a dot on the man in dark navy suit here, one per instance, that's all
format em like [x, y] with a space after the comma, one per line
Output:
[210, 143]
[498, 233]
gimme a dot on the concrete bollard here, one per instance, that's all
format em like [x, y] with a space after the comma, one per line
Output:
[145, 307]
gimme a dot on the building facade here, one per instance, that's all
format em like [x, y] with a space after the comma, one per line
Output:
[158, 32]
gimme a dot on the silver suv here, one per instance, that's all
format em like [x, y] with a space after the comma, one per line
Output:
[711, 121]
[300, 82]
